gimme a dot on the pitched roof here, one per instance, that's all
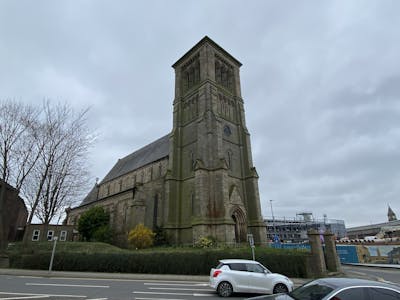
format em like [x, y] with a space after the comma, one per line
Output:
[92, 196]
[144, 156]
[152, 152]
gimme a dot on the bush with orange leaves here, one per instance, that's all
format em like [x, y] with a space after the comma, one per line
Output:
[141, 237]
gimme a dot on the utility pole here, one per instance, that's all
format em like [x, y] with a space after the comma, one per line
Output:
[273, 220]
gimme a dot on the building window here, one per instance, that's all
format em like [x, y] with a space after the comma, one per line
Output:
[50, 235]
[36, 235]
[63, 236]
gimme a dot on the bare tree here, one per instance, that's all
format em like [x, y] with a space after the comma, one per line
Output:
[43, 154]
[60, 175]
[18, 151]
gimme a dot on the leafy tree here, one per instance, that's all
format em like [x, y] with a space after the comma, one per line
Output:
[94, 224]
[141, 237]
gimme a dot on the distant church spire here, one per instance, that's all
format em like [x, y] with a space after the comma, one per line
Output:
[391, 215]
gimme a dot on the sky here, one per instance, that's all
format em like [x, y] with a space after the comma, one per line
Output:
[320, 83]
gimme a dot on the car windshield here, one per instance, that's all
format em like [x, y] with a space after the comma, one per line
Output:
[311, 291]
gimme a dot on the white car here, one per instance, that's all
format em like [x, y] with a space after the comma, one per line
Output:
[247, 276]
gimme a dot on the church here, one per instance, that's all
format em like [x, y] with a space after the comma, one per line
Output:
[198, 180]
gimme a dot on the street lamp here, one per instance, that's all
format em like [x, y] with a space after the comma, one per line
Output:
[52, 253]
[273, 220]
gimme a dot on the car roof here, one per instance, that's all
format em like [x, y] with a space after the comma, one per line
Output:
[341, 282]
[230, 261]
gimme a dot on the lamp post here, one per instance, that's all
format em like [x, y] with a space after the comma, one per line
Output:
[273, 220]
[52, 253]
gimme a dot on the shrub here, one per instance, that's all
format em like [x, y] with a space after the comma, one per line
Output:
[182, 261]
[141, 237]
[204, 242]
[94, 219]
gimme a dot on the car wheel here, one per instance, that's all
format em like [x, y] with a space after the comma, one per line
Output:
[280, 288]
[225, 289]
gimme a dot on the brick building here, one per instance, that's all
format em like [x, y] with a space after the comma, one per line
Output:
[14, 213]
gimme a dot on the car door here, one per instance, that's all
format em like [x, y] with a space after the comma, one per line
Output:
[239, 278]
[259, 281]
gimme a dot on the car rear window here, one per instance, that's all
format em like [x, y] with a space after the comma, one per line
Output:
[238, 267]
[220, 265]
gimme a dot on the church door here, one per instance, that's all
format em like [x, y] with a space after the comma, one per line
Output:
[240, 226]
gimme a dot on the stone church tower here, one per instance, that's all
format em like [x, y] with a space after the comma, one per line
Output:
[212, 184]
[199, 180]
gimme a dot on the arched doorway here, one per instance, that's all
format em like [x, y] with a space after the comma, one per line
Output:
[239, 219]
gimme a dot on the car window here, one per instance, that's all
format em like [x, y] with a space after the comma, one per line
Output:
[383, 294]
[351, 294]
[219, 266]
[313, 291]
[238, 267]
[256, 268]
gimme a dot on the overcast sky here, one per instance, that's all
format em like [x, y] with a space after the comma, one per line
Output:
[320, 81]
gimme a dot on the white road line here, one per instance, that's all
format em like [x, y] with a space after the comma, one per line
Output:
[121, 279]
[174, 294]
[176, 284]
[180, 289]
[98, 299]
[136, 298]
[358, 273]
[50, 295]
[69, 285]
[26, 297]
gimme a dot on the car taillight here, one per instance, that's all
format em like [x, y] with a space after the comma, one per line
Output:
[216, 273]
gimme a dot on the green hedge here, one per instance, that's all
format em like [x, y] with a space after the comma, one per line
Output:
[169, 261]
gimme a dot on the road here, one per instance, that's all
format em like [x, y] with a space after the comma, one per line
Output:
[29, 287]
[72, 287]
[379, 274]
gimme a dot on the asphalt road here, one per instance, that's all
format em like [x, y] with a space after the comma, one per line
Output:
[29, 287]
[22, 284]
[378, 274]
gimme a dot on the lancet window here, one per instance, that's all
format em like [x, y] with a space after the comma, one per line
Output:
[224, 74]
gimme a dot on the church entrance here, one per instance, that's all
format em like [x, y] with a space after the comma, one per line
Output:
[240, 225]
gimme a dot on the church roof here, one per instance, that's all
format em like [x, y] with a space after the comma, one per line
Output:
[204, 40]
[144, 156]
[92, 196]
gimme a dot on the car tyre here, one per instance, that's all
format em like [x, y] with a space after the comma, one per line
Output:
[280, 288]
[225, 289]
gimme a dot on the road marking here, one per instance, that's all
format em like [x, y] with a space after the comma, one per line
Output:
[174, 294]
[26, 297]
[69, 285]
[136, 298]
[176, 284]
[358, 273]
[98, 299]
[49, 295]
[122, 279]
[180, 289]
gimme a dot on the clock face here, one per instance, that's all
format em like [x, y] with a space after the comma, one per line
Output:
[227, 130]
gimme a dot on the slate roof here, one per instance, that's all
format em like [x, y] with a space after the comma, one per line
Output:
[152, 152]
[144, 156]
[92, 196]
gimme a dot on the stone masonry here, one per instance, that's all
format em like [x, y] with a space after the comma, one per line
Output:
[199, 180]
